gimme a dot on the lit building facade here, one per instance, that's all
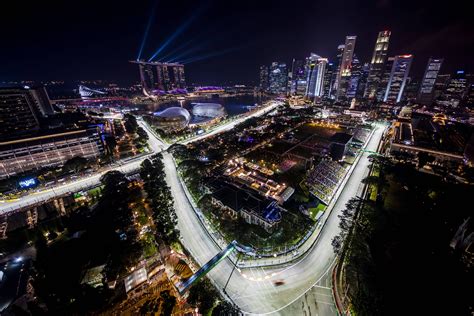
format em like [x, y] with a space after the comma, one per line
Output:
[297, 77]
[21, 109]
[362, 82]
[356, 74]
[335, 76]
[160, 78]
[328, 80]
[278, 78]
[456, 89]
[172, 119]
[344, 73]
[22, 155]
[379, 57]
[382, 86]
[315, 76]
[398, 78]
[440, 85]
[427, 87]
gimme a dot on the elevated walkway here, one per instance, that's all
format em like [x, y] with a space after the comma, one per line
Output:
[206, 268]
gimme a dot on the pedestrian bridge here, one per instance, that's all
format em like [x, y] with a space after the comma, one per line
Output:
[224, 253]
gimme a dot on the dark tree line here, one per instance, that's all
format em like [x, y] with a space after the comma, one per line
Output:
[161, 201]
[131, 126]
[205, 296]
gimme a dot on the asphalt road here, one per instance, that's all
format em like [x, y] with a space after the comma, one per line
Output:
[253, 290]
[131, 165]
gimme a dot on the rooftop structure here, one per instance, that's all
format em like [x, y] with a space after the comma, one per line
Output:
[160, 78]
[18, 156]
[240, 202]
[210, 110]
[256, 178]
[174, 118]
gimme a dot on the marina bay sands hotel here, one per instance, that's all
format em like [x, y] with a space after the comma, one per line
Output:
[159, 78]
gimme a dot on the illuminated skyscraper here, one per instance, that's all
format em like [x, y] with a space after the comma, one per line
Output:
[298, 78]
[440, 85]
[398, 78]
[335, 75]
[344, 73]
[426, 93]
[278, 78]
[382, 86]
[263, 78]
[159, 78]
[362, 84]
[328, 77]
[356, 74]
[456, 89]
[315, 77]
[377, 63]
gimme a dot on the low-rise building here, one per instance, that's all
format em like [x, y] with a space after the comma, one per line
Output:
[240, 202]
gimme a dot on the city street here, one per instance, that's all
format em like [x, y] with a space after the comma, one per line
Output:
[253, 290]
[126, 167]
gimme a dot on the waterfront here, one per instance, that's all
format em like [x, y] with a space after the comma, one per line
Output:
[233, 105]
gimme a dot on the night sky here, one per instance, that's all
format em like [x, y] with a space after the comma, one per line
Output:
[73, 40]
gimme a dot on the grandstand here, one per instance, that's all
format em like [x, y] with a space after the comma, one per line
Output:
[324, 180]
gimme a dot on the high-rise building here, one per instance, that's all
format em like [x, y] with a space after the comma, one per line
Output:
[377, 63]
[364, 75]
[41, 98]
[440, 85]
[21, 110]
[263, 78]
[328, 77]
[398, 78]
[315, 77]
[297, 79]
[382, 86]
[470, 96]
[160, 78]
[335, 76]
[344, 73]
[426, 93]
[278, 78]
[356, 74]
[456, 89]
[412, 87]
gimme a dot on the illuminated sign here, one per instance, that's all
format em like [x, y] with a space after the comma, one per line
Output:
[27, 183]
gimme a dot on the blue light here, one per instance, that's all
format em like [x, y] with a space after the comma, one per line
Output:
[145, 36]
[177, 49]
[187, 53]
[197, 58]
[27, 183]
[176, 33]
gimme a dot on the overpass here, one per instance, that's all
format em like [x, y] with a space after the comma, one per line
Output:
[207, 267]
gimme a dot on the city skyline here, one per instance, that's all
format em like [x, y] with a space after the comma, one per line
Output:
[49, 41]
